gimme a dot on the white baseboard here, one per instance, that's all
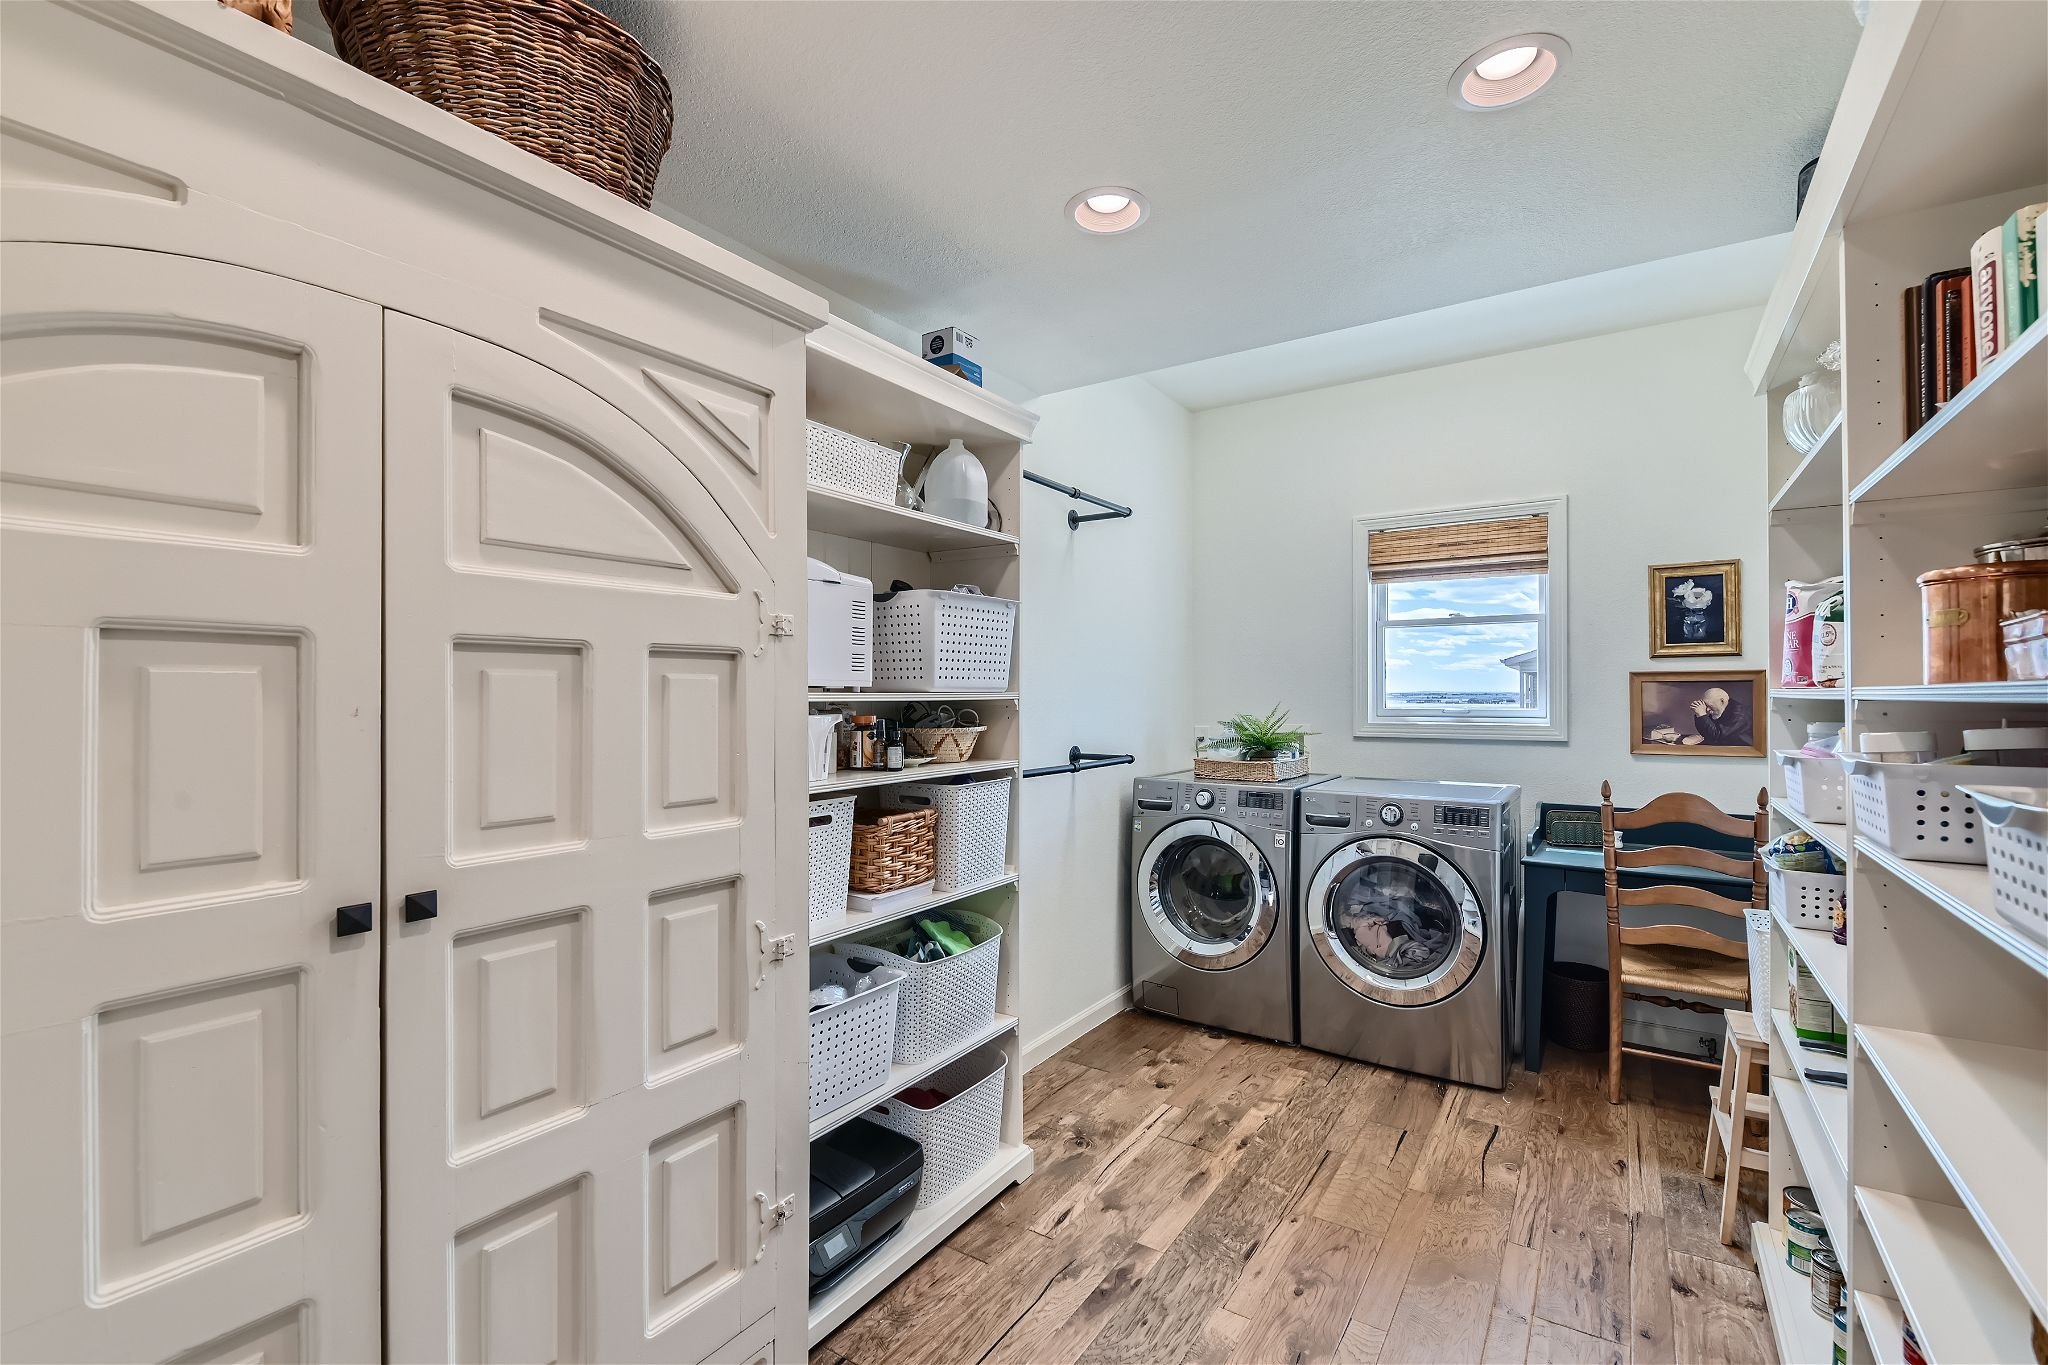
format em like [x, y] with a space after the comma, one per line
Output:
[1103, 1010]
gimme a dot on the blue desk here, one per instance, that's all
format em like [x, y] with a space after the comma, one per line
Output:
[1548, 871]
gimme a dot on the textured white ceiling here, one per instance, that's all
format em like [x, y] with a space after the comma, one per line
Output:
[1306, 169]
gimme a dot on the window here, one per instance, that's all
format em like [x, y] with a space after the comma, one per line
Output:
[1460, 635]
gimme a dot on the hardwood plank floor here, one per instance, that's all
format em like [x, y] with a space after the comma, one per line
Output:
[1202, 1199]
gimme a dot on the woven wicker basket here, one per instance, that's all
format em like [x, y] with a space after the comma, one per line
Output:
[893, 849]
[1250, 769]
[552, 76]
[944, 744]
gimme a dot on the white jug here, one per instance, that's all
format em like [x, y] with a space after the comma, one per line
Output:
[955, 486]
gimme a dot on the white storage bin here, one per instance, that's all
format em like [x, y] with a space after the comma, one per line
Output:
[974, 826]
[960, 1136]
[1758, 922]
[846, 463]
[2016, 844]
[1807, 900]
[943, 1001]
[852, 1041]
[831, 860]
[1918, 810]
[936, 640]
[1815, 787]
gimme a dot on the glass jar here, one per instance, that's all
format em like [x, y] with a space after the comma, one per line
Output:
[1810, 409]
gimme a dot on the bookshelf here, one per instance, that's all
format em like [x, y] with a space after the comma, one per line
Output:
[860, 383]
[1931, 1168]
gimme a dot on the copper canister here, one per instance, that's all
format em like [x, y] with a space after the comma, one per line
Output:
[1960, 609]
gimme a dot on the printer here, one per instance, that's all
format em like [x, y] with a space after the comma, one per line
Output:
[865, 1180]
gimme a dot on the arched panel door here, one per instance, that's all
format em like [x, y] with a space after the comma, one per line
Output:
[189, 562]
[579, 744]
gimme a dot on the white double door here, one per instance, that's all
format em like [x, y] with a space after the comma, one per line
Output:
[241, 521]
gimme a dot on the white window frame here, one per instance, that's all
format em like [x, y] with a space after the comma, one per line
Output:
[1368, 610]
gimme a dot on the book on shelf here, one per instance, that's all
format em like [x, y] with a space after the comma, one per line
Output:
[1986, 304]
[1915, 353]
[1948, 321]
[2019, 270]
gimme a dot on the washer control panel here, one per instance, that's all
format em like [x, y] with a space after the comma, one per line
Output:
[1390, 814]
[1204, 798]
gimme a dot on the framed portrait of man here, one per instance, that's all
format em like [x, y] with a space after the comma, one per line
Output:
[1705, 713]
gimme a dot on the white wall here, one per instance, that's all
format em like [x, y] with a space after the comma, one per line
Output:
[1106, 640]
[1652, 436]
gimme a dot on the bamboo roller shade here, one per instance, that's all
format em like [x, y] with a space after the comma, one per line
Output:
[1465, 549]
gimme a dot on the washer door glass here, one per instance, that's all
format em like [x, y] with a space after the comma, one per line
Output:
[1209, 894]
[1395, 921]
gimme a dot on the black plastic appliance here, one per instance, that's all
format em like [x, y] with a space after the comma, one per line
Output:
[864, 1183]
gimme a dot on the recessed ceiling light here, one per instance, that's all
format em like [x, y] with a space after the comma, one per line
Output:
[1509, 71]
[1108, 209]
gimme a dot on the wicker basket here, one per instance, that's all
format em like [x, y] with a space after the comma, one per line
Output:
[1250, 769]
[893, 849]
[554, 77]
[944, 744]
[1575, 1006]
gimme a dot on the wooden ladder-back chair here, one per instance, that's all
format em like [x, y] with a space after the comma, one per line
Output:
[1654, 962]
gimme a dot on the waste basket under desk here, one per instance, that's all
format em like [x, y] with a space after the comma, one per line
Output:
[1546, 871]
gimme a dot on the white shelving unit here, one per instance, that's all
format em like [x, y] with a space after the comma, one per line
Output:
[1932, 1168]
[859, 383]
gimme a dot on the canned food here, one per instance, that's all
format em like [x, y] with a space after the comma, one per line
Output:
[1826, 1272]
[1804, 1234]
[1842, 1335]
[1800, 1197]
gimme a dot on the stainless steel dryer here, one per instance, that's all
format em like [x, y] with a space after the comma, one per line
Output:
[1410, 910]
[1212, 901]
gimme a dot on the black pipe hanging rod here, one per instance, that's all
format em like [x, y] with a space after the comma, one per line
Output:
[1078, 762]
[1074, 519]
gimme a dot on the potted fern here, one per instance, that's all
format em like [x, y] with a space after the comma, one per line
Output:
[1253, 748]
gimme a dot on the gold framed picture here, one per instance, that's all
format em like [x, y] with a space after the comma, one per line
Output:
[1703, 713]
[1696, 609]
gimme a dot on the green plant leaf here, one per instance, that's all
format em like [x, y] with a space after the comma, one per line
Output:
[1267, 736]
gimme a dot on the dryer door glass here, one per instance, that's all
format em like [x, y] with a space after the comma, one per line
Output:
[1395, 921]
[1209, 893]
[1394, 918]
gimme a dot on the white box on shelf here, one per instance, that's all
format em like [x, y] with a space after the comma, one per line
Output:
[974, 826]
[935, 640]
[831, 849]
[1815, 787]
[849, 464]
[2016, 847]
[1919, 810]
[959, 1135]
[842, 631]
[946, 1000]
[851, 1041]
[1807, 900]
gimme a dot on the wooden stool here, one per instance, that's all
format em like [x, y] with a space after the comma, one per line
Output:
[1738, 1102]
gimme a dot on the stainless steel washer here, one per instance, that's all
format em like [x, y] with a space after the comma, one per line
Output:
[1212, 901]
[1409, 918]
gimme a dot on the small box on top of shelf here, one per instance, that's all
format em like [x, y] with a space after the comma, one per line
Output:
[956, 351]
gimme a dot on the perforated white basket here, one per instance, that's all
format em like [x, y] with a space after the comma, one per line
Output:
[831, 860]
[1920, 812]
[1807, 900]
[2016, 845]
[1758, 923]
[852, 1041]
[1815, 787]
[960, 1136]
[846, 463]
[974, 826]
[943, 1001]
[935, 640]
